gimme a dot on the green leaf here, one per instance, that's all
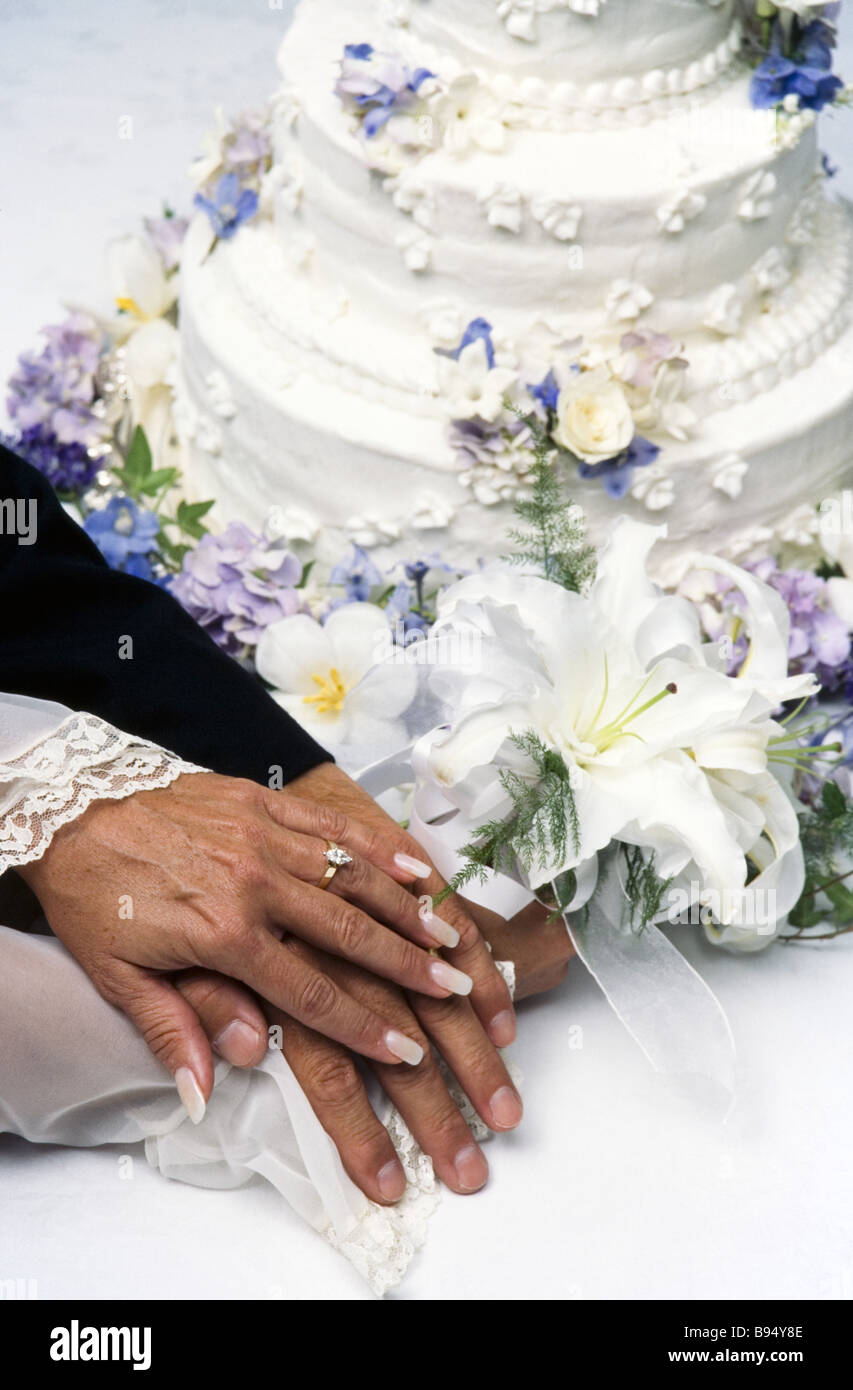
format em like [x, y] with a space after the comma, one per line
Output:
[189, 517]
[306, 571]
[833, 799]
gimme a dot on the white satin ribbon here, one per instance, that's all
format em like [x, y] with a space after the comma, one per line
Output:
[676, 1020]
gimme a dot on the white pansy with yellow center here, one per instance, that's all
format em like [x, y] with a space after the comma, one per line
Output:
[316, 668]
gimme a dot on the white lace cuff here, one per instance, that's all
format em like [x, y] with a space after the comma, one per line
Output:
[52, 782]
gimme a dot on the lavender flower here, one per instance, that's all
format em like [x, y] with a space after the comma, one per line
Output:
[236, 584]
[248, 148]
[229, 207]
[166, 234]
[125, 534]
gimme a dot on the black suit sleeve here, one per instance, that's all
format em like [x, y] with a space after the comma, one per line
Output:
[63, 613]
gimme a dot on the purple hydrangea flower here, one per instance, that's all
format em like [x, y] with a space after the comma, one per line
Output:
[236, 584]
[376, 86]
[229, 207]
[617, 473]
[818, 641]
[125, 534]
[67, 467]
[54, 391]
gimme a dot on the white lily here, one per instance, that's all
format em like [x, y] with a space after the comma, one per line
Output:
[665, 751]
[141, 289]
[316, 669]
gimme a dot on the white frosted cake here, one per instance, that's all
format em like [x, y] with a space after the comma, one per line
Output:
[472, 198]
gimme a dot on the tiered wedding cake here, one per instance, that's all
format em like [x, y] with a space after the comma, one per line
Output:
[571, 204]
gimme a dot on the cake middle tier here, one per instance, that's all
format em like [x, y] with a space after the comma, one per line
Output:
[551, 222]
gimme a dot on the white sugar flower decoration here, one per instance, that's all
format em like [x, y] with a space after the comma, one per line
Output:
[369, 530]
[724, 309]
[756, 196]
[416, 247]
[771, 271]
[316, 669]
[729, 475]
[558, 216]
[471, 387]
[653, 487]
[626, 299]
[503, 204]
[470, 117]
[680, 209]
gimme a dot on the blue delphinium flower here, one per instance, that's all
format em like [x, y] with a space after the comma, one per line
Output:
[617, 473]
[229, 207]
[477, 330]
[804, 72]
[125, 534]
[358, 575]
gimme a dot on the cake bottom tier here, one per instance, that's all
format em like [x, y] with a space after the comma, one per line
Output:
[350, 447]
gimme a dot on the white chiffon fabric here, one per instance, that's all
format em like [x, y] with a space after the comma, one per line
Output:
[74, 1071]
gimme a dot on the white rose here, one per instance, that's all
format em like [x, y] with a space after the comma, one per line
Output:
[594, 419]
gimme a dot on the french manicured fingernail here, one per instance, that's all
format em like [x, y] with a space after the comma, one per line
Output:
[447, 977]
[410, 865]
[471, 1168]
[441, 931]
[404, 1048]
[391, 1181]
[237, 1043]
[191, 1095]
[502, 1028]
[505, 1108]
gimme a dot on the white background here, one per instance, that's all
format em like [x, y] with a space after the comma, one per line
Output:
[611, 1189]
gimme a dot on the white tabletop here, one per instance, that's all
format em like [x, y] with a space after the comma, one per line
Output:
[611, 1188]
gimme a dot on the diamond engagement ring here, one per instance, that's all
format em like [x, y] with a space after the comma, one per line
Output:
[336, 858]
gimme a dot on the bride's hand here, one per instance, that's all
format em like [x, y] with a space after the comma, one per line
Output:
[209, 872]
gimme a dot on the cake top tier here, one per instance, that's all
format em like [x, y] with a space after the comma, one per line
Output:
[577, 40]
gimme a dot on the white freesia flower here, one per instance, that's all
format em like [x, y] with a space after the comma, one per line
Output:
[665, 751]
[470, 386]
[594, 419]
[316, 669]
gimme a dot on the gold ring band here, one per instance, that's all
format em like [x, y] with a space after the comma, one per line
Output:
[336, 858]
